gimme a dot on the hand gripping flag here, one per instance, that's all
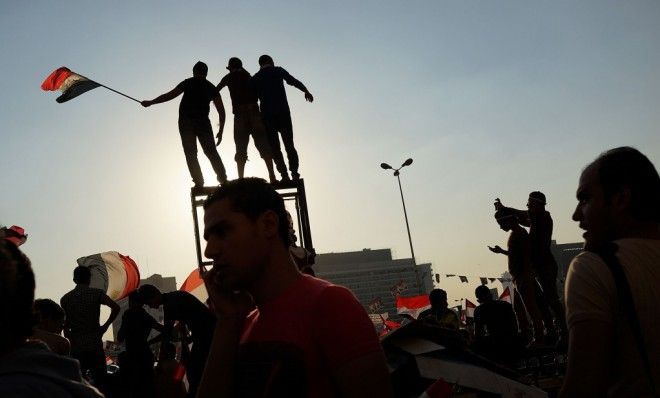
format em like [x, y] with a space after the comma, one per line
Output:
[114, 273]
[69, 83]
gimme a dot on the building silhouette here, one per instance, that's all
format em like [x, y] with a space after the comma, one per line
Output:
[373, 276]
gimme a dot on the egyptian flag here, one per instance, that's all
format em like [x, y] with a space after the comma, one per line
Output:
[114, 273]
[506, 295]
[194, 285]
[13, 234]
[413, 305]
[469, 308]
[69, 83]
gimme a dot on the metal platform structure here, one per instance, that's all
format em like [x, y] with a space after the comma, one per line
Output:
[292, 192]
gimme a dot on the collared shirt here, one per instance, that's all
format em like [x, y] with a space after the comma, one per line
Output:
[270, 89]
[83, 308]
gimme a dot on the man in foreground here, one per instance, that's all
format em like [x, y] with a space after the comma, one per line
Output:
[82, 306]
[194, 123]
[279, 333]
[618, 201]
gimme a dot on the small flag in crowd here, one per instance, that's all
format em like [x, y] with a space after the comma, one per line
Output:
[194, 285]
[69, 83]
[463, 278]
[506, 296]
[469, 308]
[483, 280]
[413, 305]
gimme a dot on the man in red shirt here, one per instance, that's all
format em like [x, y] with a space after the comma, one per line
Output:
[279, 332]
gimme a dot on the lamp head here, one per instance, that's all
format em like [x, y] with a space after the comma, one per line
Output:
[385, 166]
[408, 162]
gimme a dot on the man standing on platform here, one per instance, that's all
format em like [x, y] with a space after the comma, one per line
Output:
[269, 82]
[194, 123]
[247, 119]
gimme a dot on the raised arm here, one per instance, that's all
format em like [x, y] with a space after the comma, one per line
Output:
[292, 81]
[114, 311]
[164, 97]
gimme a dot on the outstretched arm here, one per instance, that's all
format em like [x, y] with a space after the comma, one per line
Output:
[163, 98]
[498, 250]
[292, 81]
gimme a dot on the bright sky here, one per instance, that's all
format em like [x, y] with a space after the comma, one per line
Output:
[490, 99]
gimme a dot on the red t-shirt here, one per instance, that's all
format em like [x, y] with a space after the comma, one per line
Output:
[291, 345]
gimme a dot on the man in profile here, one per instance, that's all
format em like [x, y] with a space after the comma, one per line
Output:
[269, 82]
[519, 258]
[247, 119]
[279, 332]
[50, 323]
[439, 313]
[82, 306]
[619, 208]
[194, 123]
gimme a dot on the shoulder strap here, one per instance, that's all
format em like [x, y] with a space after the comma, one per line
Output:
[608, 253]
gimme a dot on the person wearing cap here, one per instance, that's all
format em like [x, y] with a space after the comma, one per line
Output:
[520, 267]
[194, 123]
[544, 265]
[269, 82]
[247, 119]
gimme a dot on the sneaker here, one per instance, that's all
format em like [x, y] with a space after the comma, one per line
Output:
[273, 179]
[295, 176]
[285, 178]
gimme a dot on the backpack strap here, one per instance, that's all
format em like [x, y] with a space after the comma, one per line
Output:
[608, 253]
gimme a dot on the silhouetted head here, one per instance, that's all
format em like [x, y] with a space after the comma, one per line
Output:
[620, 189]
[253, 197]
[150, 295]
[506, 218]
[234, 63]
[265, 60]
[82, 275]
[200, 69]
[438, 298]
[16, 297]
[135, 299]
[50, 316]
[536, 202]
[483, 294]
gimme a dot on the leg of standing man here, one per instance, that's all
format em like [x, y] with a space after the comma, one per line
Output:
[189, 142]
[205, 136]
[286, 129]
[261, 141]
[272, 132]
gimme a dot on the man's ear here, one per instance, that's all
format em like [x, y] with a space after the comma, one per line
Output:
[269, 223]
[621, 199]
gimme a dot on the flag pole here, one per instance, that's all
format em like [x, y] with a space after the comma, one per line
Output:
[111, 89]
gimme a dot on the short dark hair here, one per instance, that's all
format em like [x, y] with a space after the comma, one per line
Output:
[134, 297]
[265, 60]
[483, 292]
[148, 292]
[47, 309]
[234, 62]
[437, 296]
[252, 197]
[538, 195]
[16, 296]
[628, 167]
[200, 68]
[82, 274]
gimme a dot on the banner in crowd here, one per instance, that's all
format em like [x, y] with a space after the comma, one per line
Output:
[117, 275]
[413, 305]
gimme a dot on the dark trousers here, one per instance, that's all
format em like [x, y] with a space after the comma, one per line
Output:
[192, 130]
[281, 123]
[546, 276]
[94, 362]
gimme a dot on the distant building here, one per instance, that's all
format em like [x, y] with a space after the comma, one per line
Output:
[373, 276]
[564, 254]
[164, 284]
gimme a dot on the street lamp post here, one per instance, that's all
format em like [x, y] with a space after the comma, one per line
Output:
[386, 166]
